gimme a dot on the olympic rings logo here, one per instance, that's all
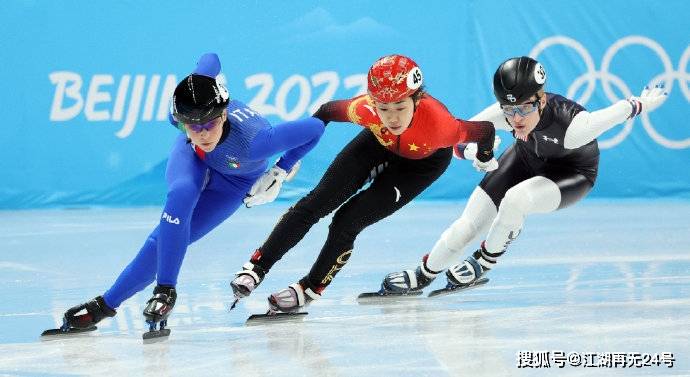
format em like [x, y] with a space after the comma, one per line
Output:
[607, 79]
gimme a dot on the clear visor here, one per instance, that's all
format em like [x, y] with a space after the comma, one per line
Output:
[522, 109]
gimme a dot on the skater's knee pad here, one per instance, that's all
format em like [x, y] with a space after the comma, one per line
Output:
[516, 199]
[459, 234]
[514, 207]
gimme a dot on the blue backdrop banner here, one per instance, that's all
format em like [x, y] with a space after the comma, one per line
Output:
[87, 83]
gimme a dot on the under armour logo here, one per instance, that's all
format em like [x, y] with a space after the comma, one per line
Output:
[512, 236]
[546, 138]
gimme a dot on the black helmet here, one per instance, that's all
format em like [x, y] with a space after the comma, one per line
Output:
[198, 99]
[517, 79]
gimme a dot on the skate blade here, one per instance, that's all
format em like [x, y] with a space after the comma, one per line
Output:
[382, 296]
[155, 336]
[273, 317]
[447, 291]
[58, 333]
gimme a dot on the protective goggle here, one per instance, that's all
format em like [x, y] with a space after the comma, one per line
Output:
[208, 126]
[522, 109]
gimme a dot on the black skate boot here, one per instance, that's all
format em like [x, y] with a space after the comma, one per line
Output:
[246, 281]
[158, 309]
[96, 310]
[82, 318]
[408, 282]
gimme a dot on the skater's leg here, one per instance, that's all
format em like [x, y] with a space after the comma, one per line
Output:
[545, 193]
[357, 162]
[346, 174]
[476, 218]
[218, 201]
[185, 175]
[396, 186]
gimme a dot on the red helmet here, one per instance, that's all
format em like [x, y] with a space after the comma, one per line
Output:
[393, 77]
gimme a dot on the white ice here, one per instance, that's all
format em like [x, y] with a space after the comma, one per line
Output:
[600, 277]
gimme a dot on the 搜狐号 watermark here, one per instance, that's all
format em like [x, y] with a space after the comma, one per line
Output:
[560, 359]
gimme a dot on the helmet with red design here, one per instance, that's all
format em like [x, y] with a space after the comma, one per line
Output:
[393, 77]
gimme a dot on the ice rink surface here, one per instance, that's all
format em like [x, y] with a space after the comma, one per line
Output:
[603, 277]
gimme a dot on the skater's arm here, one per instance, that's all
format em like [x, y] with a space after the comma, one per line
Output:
[334, 111]
[493, 114]
[480, 132]
[295, 138]
[587, 126]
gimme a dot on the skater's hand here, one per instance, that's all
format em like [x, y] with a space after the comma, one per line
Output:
[470, 151]
[649, 100]
[485, 167]
[266, 188]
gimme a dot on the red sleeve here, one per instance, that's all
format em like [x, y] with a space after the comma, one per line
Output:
[334, 111]
[480, 132]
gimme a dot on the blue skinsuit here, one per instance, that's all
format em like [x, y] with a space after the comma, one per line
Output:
[204, 189]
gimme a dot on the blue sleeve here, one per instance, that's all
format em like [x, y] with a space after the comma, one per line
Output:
[295, 138]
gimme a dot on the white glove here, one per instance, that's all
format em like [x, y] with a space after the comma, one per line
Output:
[470, 153]
[649, 100]
[485, 167]
[266, 188]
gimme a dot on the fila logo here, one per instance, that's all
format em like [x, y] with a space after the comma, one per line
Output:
[170, 219]
[554, 140]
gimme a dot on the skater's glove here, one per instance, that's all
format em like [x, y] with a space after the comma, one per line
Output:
[470, 153]
[648, 101]
[470, 150]
[487, 166]
[266, 189]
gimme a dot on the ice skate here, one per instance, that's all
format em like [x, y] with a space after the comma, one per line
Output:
[157, 310]
[287, 303]
[246, 281]
[405, 283]
[468, 274]
[82, 318]
[289, 300]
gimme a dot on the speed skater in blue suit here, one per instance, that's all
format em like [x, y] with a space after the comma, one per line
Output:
[218, 163]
